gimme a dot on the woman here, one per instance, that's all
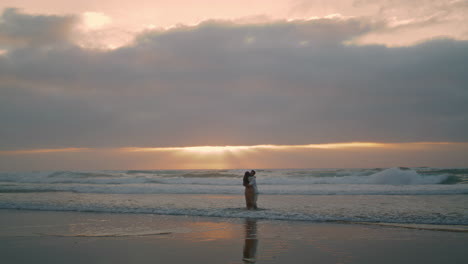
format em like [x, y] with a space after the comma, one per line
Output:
[253, 183]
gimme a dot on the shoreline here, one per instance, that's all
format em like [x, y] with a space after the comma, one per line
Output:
[78, 237]
[428, 227]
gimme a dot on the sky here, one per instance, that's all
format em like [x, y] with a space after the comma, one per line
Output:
[233, 84]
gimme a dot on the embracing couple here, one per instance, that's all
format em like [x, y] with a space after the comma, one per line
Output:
[251, 191]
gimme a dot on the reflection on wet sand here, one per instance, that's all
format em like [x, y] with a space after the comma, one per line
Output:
[210, 231]
[251, 241]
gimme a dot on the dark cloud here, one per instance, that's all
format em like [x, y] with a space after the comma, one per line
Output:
[221, 83]
[18, 29]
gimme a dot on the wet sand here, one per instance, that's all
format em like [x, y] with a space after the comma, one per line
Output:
[74, 237]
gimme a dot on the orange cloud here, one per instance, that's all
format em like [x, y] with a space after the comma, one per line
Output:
[220, 149]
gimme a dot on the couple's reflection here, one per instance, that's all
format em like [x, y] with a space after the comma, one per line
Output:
[251, 241]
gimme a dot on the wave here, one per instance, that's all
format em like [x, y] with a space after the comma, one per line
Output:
[393, 181]
[432, 227]
[392, 176]
[269, 214]
[312, 189]
[398, 176]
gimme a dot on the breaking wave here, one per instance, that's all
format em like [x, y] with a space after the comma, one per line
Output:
[306, 182]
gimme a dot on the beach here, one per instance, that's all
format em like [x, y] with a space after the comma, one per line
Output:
[128, 130]
[82, 237]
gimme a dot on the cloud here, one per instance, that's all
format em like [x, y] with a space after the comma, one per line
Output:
[19, 30]
[421, 20]
[291, 82]
[406, 22]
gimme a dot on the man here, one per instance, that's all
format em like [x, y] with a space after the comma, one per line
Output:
[249, 191]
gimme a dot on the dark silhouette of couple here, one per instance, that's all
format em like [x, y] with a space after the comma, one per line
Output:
[251, 190]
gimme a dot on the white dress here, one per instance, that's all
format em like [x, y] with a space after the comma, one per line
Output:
[253, 183]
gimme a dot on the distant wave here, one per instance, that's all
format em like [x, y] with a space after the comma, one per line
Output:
[393, 181]
[392, 176]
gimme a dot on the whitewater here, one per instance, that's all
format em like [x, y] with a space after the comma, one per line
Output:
[435, 196]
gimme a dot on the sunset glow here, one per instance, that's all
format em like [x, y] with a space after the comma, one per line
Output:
[352, 154]
[221, 149]
[95, 20]
[216, 150]
[196, 149]
[235, 149]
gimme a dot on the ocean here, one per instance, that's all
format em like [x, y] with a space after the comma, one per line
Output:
[424, 196]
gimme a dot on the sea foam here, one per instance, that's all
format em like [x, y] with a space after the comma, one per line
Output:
[393, 181]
